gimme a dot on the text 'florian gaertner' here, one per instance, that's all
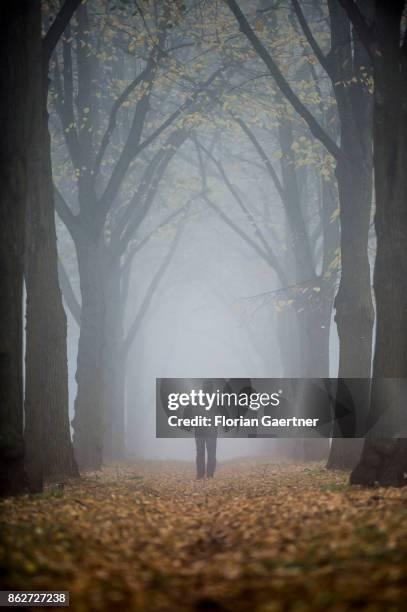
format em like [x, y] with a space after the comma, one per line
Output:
[222, 421]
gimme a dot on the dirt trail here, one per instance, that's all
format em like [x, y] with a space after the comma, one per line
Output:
[260, 536]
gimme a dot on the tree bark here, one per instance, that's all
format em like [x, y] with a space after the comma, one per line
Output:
[47, 431]
[385, 460]
[19, 49]
[114, 363]
[354, 313]
[87, 422]
[353, 303]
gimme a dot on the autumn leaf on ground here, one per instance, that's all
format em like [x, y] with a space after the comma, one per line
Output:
[260, 536]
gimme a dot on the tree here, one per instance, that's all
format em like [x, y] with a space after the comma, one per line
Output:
[49, 452]
[20, 54]
[385, 39]
[345, 66]
[109, 210]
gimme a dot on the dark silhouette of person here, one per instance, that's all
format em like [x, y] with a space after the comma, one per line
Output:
[205, 435]
[209, 442]
[206, 439]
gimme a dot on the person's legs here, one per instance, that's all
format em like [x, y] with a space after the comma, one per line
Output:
[200, 457]
[211, 450]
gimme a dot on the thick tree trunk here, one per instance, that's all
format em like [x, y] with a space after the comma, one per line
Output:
[87, 422]
[385, 460]
[113, 373]
[353, 302]
[47, 433]
[114, 448]
[19, 49]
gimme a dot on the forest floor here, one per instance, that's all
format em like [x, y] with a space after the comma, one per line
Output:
[260, 536]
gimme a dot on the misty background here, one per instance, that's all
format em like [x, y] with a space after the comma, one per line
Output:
[216, 311]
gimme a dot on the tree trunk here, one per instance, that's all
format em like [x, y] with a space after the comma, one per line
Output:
[353, 303]
[19, 50]
[385, 460]
[114, 449]
[354, 314]
[87, 423]
[47, 433]
[113, 373]
[354, 306]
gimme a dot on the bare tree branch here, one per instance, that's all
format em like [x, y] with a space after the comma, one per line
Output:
[264, 157]
[239, 200]
[129, 152]
[315, 128]
[113, 116]
[310, 38]
[139, 245]
[131, 208]
[64, 103]
[147, 190]
[57, 28]
[125, 160]
[135, 326]
[65, 213]
[263, 254]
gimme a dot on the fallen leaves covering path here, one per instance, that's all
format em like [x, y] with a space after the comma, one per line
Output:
[260, 536]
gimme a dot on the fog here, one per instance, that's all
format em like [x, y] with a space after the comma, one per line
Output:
[220, 239]
[213, 314]
[197, 328]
